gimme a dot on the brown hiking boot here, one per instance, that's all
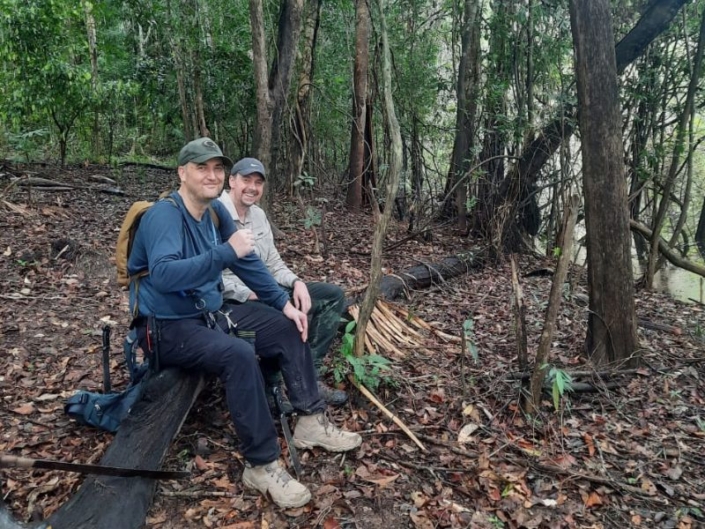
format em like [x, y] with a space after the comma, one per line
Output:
[317, 430]
[284, 490]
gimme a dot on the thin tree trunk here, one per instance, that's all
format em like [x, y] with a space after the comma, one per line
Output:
[466, 92]
[289, 31]
[393, 175]
[532, 403]
[93, 51]
[357, 134]
[302, 117]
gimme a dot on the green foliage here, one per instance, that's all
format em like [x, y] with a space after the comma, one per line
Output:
[561, 381]
[367, 369]
[557, 251]
[312, 218]
[46, 70]
[305, 181]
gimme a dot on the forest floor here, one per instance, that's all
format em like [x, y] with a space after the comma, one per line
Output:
[629, 454]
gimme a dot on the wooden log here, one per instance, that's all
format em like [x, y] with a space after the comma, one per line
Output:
[141, 442]
[423, 276]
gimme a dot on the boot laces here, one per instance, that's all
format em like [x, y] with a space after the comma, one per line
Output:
[279, 473]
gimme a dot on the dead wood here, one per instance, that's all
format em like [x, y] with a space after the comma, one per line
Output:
[102, 179]
[36, 181]
[519, 319]
[667, 252]
[142, 442]
[533, 400]
[394, 286]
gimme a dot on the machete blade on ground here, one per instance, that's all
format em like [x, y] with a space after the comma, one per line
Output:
[7, 460]
[276, 392]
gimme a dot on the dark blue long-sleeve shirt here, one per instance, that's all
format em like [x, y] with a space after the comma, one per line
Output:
[186, 258]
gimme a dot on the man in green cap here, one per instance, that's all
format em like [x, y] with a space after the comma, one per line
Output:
[179, 318]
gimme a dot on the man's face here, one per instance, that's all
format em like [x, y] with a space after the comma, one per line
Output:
[246, 190]
[203, 181]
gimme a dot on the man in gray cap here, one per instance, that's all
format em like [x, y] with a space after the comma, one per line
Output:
[179, 254]
[322, 302]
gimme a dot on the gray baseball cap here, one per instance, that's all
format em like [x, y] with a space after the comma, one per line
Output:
[201, 150]
[247, 166]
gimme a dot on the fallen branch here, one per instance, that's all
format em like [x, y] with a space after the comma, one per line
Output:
[396, 420]
[667, 252]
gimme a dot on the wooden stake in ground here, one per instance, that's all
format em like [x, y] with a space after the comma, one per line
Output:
[531, 403]
[519, 319]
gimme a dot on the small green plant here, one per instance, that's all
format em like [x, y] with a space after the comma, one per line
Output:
[312, 218]
[700, 423]
[367, 369]
[557, 251]
[561, 382]
[496, 522]
[469, 334]
[28, 143]
[305, 181]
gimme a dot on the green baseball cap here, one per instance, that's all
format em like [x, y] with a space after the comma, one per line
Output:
[202, 150]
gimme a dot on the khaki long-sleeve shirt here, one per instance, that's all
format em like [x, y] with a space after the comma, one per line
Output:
[255, 220]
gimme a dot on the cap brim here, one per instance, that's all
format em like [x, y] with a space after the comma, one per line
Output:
[205, 157]
[247, 172]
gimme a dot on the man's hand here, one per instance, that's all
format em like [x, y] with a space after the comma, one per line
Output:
[242, 242]
[298, 317]
[301, 297]
[252, 297]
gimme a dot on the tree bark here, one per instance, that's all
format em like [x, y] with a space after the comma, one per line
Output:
[393, 174]
[466, 92]
[302, 116]
[357, 134]
[289, 32]
[273, 89]
[262, 134]
[612, 331]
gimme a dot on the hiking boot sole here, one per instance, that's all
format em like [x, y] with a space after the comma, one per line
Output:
[301, 444]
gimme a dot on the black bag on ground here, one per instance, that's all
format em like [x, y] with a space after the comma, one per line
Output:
[107, 410]
[103, 410]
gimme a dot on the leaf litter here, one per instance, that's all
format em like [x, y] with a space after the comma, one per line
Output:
[630, 454]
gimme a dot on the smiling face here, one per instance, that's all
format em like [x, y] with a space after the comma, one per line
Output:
[246, 190]
[202, 182]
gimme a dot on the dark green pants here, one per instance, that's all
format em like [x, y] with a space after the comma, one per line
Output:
[327, 305]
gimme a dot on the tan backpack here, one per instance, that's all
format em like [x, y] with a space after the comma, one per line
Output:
[126, 237]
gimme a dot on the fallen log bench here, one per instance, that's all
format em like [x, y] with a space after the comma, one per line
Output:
[142, 441]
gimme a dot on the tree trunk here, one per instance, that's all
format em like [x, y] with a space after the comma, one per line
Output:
[200, 111]
[612, 331]
[93, 51]
[395, 160]
[280, 76]
[273, 89]
[466, 91]
[357, 134]
[262, 134]
[302, 117]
